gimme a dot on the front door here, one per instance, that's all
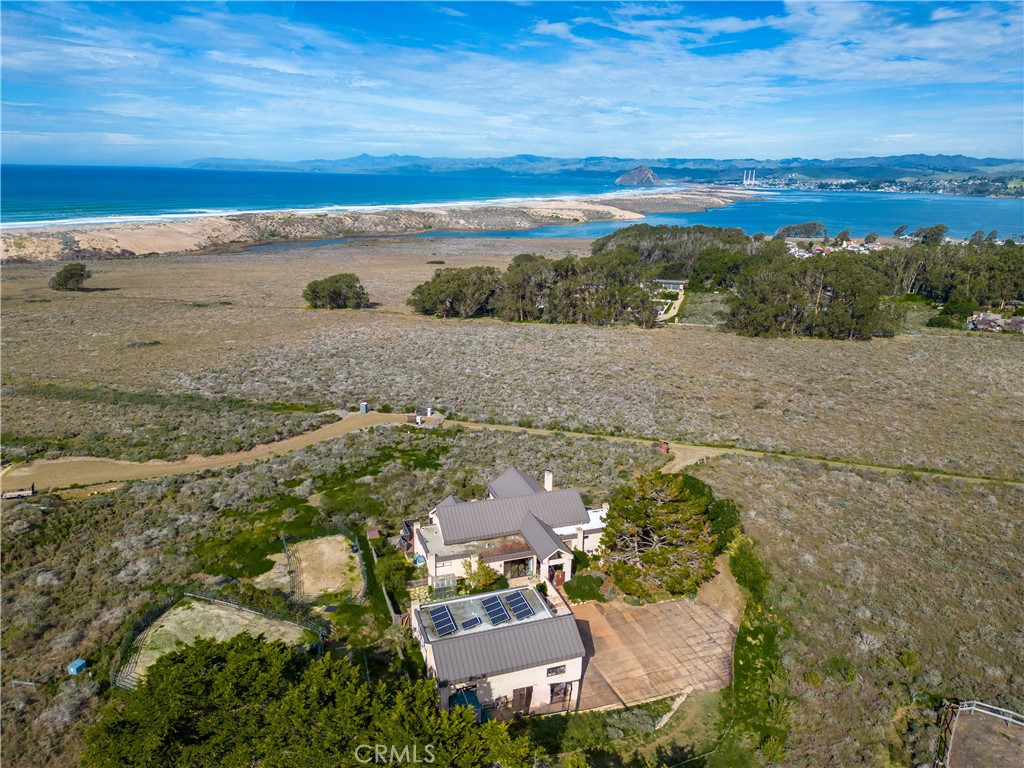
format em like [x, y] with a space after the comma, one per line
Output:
[556, 575]
[561, 692]
[521, 698]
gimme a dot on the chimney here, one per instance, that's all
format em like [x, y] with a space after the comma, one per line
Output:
[549, 479]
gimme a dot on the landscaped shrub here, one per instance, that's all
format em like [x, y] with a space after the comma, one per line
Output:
[749, 571]
[583, 588]
[580, 561]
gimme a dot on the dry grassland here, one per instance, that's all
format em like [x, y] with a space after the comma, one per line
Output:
[948, 401]
[189, 620]
[868, 567]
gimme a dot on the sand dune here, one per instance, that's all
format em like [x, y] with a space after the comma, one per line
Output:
[235, 232]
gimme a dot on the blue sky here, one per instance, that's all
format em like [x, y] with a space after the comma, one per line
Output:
[161, 83]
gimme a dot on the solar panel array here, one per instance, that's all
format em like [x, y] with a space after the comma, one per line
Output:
[497, 612]
[444, 624]
[495, 609]
[517, 602]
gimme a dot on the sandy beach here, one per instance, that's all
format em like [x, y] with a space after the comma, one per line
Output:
[235, 232]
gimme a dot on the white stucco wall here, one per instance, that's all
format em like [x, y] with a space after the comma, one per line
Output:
[491, 689]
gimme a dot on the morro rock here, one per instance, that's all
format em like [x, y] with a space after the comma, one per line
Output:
[641, 176]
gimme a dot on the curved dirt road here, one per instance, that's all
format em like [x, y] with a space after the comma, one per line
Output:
[89, 471]
[86, 470]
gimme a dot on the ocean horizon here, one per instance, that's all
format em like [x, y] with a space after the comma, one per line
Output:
[35, 196]
[55, 195]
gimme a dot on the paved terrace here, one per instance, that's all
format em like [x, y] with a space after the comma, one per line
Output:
[643, 653]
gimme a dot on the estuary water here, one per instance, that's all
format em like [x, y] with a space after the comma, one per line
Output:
[78, 195]
[860, 212]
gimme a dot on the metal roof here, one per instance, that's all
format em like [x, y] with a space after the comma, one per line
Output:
[490, 518]
[542, 540]
[450, 501]
[507, 649]
[513, 482]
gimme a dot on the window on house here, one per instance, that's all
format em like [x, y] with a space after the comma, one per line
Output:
[552, 671]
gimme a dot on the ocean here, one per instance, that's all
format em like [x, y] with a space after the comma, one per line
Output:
[50, 194]
[78, 195]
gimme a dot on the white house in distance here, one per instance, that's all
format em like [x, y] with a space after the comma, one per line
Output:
[521, 530]
[510, 652]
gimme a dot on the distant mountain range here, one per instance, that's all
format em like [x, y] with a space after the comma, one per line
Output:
[907, 167]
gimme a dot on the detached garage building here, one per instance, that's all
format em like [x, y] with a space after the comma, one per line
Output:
[510, 652]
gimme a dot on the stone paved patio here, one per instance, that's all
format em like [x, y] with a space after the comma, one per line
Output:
[642, 653]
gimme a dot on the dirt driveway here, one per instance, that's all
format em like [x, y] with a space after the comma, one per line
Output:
[85, 470]
[642, 653]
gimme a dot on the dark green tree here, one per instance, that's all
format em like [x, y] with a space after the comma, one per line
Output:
[525, 285]
[933, 235]
[844, 298]
[872, 237]
[341, 291]
[246, 702]
[454, 292]
[393, 571]
[657, 536]
[207, 704]
[900, 230]
[834, 296]
[769, 301]
[807, 229]
[70, 277]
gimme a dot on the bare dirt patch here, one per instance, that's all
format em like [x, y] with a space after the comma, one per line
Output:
[983, 741]
[327, 565]
[189, 620]
[277, 577]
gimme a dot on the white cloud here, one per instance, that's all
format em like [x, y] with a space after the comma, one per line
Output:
[559, 29]
[829, 75]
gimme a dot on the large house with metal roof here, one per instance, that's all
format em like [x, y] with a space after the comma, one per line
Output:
[505, 653]
[522, 529]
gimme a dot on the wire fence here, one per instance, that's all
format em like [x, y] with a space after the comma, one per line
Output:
[951, 716]
[123, 671]
[349, 534]
[294, 564]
